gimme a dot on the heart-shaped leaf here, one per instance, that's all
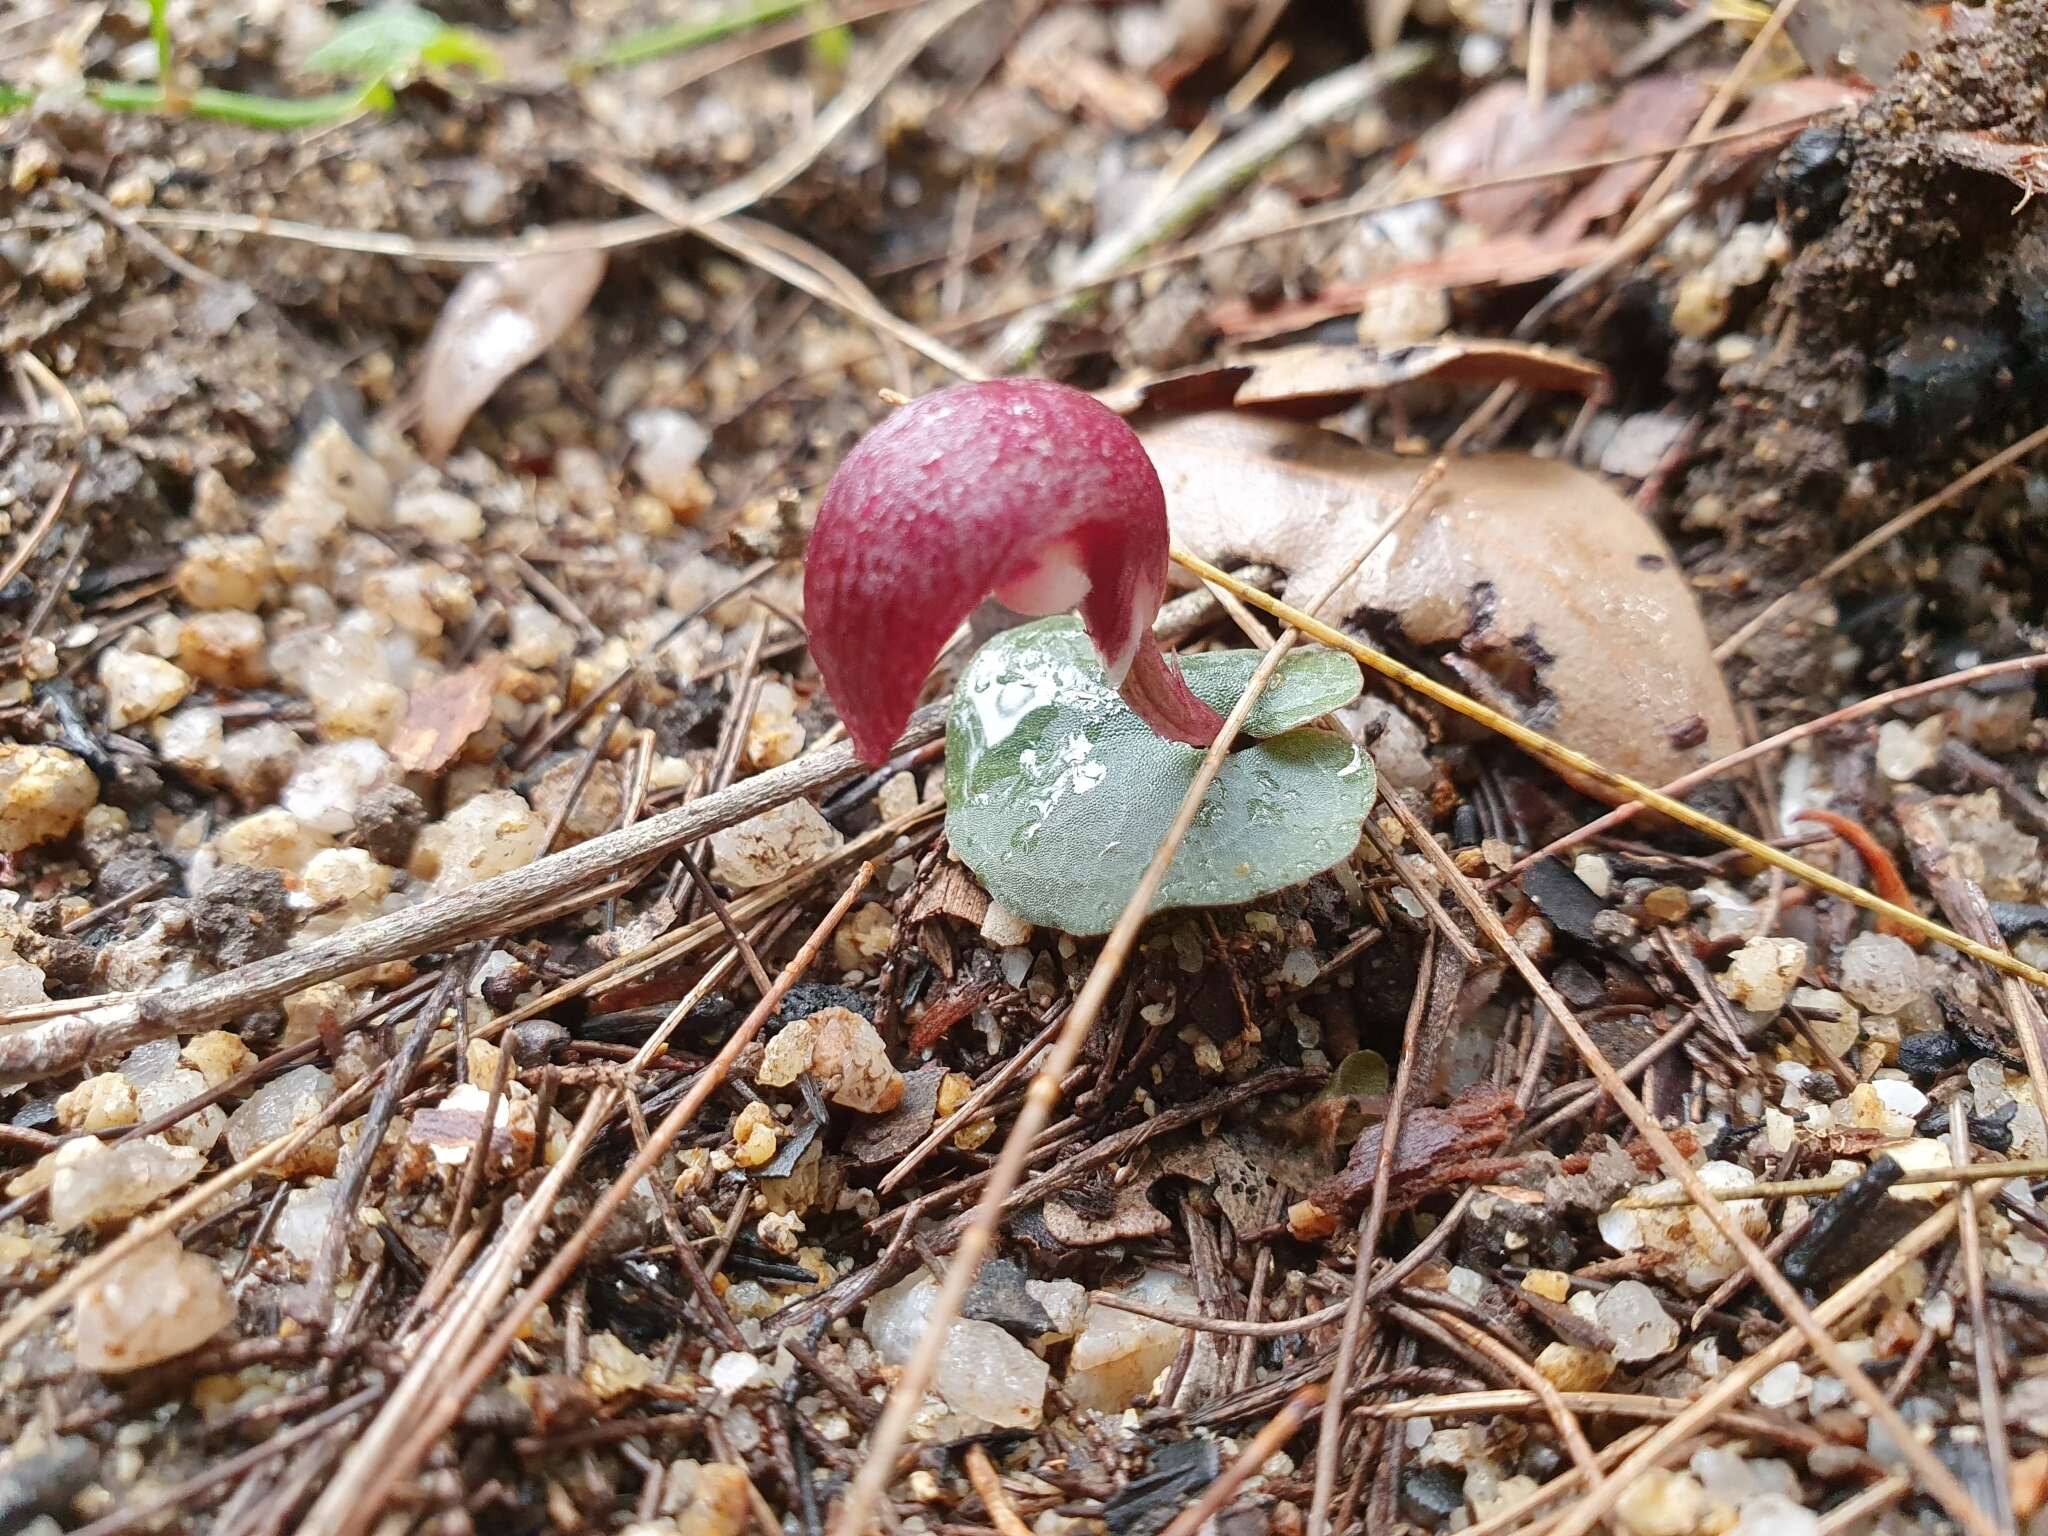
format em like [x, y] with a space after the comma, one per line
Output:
[1060, 795]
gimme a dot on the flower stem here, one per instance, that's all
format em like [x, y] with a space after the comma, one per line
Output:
[1159, 695]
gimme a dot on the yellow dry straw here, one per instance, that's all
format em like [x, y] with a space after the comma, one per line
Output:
[1577, 762]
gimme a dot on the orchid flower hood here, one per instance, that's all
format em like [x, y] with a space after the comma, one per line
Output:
[1022, 488]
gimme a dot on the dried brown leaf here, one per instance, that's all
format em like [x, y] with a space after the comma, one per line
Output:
[1538, 586]
[499, 319]
[1314, 379]
[441, 717]
[1507, 259]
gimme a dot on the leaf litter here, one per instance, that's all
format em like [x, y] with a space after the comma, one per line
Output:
[288, 678]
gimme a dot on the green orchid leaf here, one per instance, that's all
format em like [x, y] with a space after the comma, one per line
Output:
[1059, 794]
[397, 42]
[1308, 685]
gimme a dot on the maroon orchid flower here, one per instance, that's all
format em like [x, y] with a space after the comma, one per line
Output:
[1021, 488]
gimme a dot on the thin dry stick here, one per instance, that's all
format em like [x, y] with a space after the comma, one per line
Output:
[495, 905]
[1962, 899]
[644, 229]
[1001, 1512]
[1879, 537]
[1273, 1434]
[1539, 745]
[971, 1106]
[1828, 1184]
[908, 1393]
[1546, 1391]
[358, 1493]
[1679, 164]
[63, 1292]
[1875, 705]
[1983, 1338]
[811, 273]
[1939, 1481]
[33, 540]
[1731, 1387]
[1330, 1434]
[351, 1490]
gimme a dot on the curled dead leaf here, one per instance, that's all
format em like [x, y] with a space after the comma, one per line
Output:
[1316, 379]
[498, 319]
[1545, 592]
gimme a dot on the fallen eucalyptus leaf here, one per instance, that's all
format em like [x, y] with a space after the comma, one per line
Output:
[1544, 591]
[1060, 795]
[499, 319]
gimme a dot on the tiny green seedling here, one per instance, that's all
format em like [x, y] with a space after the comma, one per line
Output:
[1071, 745]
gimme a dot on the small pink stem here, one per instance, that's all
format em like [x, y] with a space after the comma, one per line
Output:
[1159, 696]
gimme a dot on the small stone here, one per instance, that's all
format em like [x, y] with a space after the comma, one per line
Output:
[1004, 929]
[613, 1368]
[787, 1056]
[388, 818]
[139, 687]
[668, 446]
[97, 1104]
[1637, 1322]
[330, 780]
[1402, 314]
[1640, 442]
[1574, 1368]
[851, 1062]
[1773, 1514]
[754, 1136]
[279, 1107]
[258, 762]
[302, 1225]
[422, 599]
[735, 1371]
[706, 1499]
[191, 741]
[982, 1371]
[1763, 973]
[224, 649]
[442, 516]
[44, 792]
[537, 639]
[864, 937]
[95, 1183]
[1118, 1355]
[345, 886]
[989, 1375]
[272, 839]
[225, 572]
[217, 1056]
[487, 835]
[1660, 1502]
[156, 1304]
[1904, 752]
[1550, 1284]
[1065, 1302]
[598, 803]
[773, 734]
[897, 797]
[1668, 904]
[1782, 1385]
[1879, 973]
[773, 844]
[1595, 873]
[244, 914]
